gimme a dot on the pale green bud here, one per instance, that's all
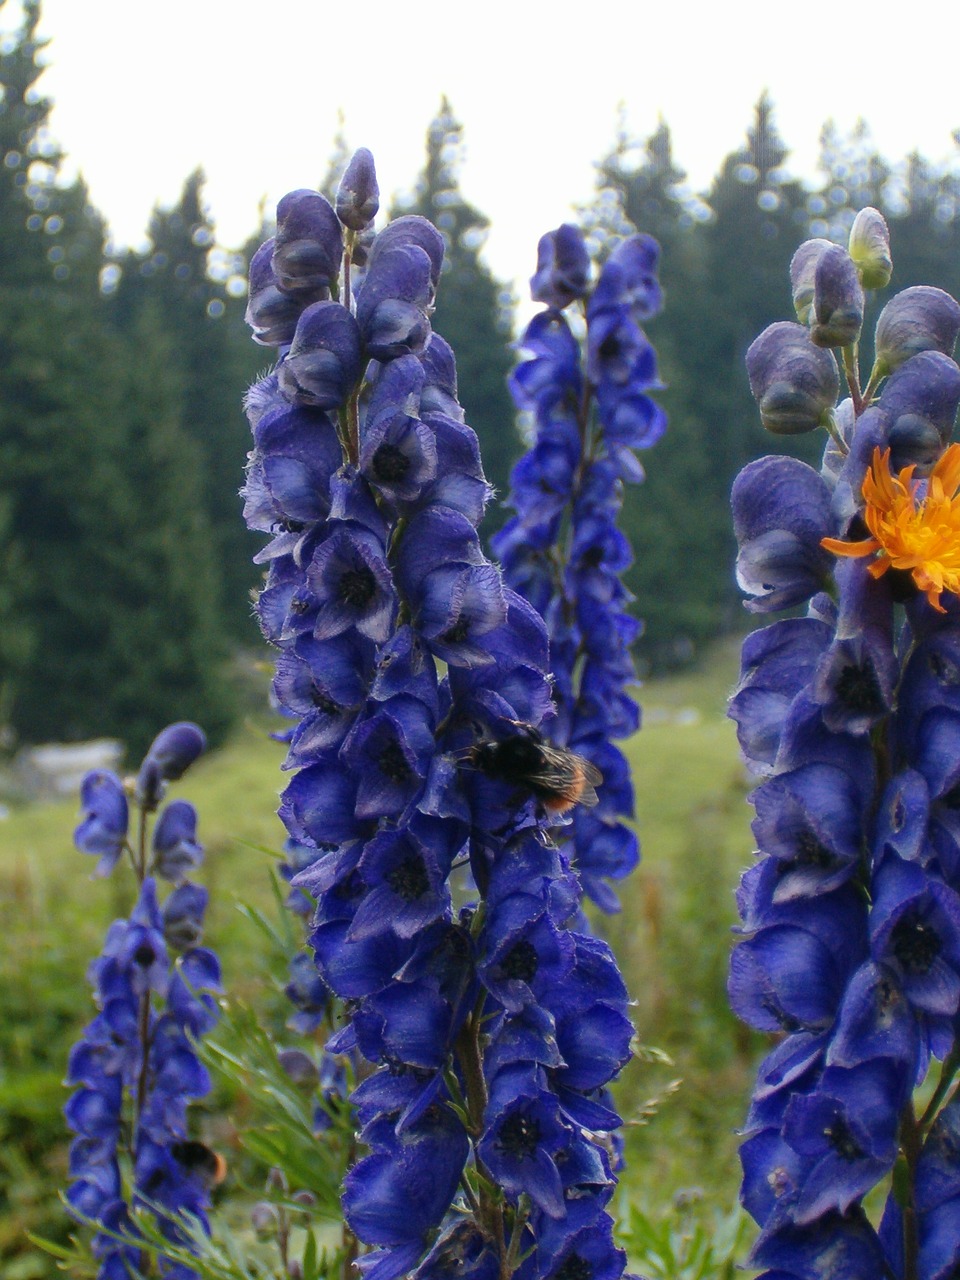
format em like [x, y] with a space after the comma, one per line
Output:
[869, 247]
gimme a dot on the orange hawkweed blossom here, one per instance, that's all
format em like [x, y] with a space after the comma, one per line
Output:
[912, 529]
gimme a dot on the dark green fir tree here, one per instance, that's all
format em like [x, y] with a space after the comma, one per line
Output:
[109, 623]
[215, 363]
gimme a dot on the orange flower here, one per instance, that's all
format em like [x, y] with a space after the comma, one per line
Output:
[921, 534]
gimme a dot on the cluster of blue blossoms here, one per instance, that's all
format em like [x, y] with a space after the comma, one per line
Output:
[414, 678]
[851, 715]
[563, 551]
[136, 1069]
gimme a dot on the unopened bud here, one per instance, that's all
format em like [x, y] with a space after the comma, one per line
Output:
[869, 247]
[358, 196]
[309, 242]
[803, 268]
[915, 320]
[264, 1218]
[793, 382]
[299, 1066]
[837, 300]
[563, 267]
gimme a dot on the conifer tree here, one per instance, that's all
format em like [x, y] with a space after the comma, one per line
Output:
[206, 342]
[108, 622]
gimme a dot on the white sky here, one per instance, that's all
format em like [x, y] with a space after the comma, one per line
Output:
[251, 89]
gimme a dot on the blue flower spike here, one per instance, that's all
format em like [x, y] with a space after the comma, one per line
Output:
[850, 946]
[443, 915]
[135, 1069]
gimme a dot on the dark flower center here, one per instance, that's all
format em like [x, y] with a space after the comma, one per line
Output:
[943, 670]
[519, 1135]
[291, 526]
[390, 463]
[952, 797]
[592, 557]
[299, 605]
[858, 689]
[520, 962]
[842, 1140]
[323, 702]
[393, 763]
[812, 853]
[409, 880]
[357, 587]
[573, 1267]
[609, 348]
[458, 632]
[916, 945]
[144, 955]
[785, 1020]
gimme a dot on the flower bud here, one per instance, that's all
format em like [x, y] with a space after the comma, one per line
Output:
[411, 230]
[563, 267]
[803, 267]
[358, 196]
[837, 300]
[264, 1219]
[394, 303]
[271, 313]
[176, 851]
[792, 381]
[869, 247]
[308, 244]
[171, 754]
[325, 359]
[299, 1066]
[923, 390]
[915, 320]
[183, 914]
[629, 277]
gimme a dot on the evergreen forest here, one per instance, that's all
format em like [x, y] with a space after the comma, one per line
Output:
[125, 570]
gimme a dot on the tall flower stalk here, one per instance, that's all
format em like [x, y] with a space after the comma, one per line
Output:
[415, 677]
[563, 550]
[850, 716]
[135, 1069]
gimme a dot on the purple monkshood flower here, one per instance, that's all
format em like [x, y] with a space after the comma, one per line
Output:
[103, 831]
[592, 410]
[442, 916]
[851, 715]
[135, 1068]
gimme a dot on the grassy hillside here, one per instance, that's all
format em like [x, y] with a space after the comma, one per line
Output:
[672, 939]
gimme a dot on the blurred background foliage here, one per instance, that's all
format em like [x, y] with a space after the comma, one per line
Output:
[124, 567]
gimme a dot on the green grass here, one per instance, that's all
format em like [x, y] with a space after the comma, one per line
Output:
[672, 938]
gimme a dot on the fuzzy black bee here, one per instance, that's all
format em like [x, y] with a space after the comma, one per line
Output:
[557, 777]
[202, 1161]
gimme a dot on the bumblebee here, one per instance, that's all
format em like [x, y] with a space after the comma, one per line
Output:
[200, 1160]
[557, 777]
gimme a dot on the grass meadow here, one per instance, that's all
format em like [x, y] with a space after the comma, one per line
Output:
[684, 1094]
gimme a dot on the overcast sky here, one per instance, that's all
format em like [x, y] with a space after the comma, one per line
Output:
[251, 91]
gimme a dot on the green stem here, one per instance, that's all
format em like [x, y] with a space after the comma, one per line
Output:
[830, 425]
[489, 1210]
[910, 1143]
[852, 373]
[948, 1073]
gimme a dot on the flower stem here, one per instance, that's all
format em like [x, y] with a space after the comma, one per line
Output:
[910, 1143]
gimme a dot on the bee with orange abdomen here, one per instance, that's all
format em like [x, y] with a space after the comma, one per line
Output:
[558, 778]
[207, 1165]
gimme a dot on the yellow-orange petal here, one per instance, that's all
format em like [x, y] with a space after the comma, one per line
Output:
[840, 548]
